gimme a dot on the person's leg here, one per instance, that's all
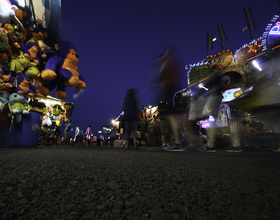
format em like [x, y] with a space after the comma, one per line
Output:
[234, 128]
[135, 142]
[175, 128]
[211, 136]
[134, 132]
[163, 139]
[272, 118]
[193, 133]
[126, 133]
[165, 131]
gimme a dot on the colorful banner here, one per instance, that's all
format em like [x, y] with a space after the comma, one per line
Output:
[223, 116]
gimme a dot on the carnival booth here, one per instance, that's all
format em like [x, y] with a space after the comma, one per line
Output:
[248, 81]
[34, 62]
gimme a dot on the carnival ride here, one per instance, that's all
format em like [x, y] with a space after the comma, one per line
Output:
[250, 80]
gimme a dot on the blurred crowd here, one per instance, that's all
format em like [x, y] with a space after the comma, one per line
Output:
[53, 136]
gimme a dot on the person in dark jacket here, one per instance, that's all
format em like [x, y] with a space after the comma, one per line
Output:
[130, 108]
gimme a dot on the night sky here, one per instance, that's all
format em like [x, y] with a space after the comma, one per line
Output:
[117, 42]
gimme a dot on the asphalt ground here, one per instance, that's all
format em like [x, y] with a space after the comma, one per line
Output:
[85, 182]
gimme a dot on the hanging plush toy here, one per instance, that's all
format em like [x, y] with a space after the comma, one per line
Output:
[61, 71]
[57, 110]
[8, 80]
[17, 104]
[9, 29]
[5, 54]
[21, 63]
[33, 72]
[4, 36]
[39, 34]
[24, 87]
[31, 51]
[4, 99]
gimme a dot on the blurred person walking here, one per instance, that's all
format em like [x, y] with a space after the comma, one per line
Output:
[57, 133]
[67, 132]
[88, 134]
[228, 123]
[129, 106]
[168, 82]
[165, 129]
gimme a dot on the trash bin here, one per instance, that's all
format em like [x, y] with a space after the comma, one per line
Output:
[27, 132]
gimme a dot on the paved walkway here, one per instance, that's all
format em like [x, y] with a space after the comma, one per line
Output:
[112, 183]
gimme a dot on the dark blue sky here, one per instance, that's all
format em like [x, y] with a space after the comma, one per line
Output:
[117, 42]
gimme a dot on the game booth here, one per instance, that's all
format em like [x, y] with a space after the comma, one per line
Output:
[248, 80]
[35, 63]
[24, 129]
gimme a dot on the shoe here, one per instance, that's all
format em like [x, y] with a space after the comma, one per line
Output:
[165, 146]
[175, 147]
[205, 148]
[232, 149]
[275, 148]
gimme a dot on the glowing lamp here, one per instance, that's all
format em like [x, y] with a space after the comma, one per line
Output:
[215, 39]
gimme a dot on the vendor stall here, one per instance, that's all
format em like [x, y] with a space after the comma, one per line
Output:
[33, 62]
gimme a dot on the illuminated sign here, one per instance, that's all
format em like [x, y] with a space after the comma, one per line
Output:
[106, 129]
[250, 50]
[230, 94]
[275, 30]
[254, 47]
[220, 60]
[207, 122]
[271, 36]
[211, 118]
[235, 93]
[223, 116]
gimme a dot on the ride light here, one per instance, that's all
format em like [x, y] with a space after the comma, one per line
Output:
[255, 63]
[201, 86]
